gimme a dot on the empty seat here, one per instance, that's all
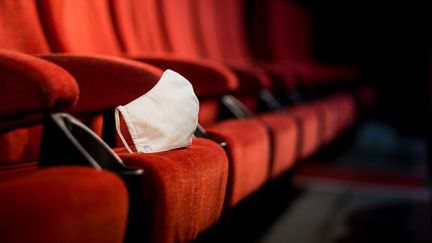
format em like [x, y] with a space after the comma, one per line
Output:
[106, 82]
[222, 28]
[99, 93]
[40, 205]
[55, 20]
[180, 39]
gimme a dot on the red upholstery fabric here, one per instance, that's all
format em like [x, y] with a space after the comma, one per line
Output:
[208, 78]
[309, 128]
[248, 153]
[79, 26]
[64, 204]
[351, 109]
[30, 85]
[222, 29]
[347, 110]
[20, 28]
[209, 110]
[285, 141]
[149, 25]
[20, 145]
[52, 10]
[251, 79]
[328, 112]
[179, 20]
[176, 22]
[287, 27]
[184, 188]
[123, 15]
[106, 82]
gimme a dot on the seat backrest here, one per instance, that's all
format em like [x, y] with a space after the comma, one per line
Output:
[222, 25]
[281, 30]
[180, 21]
[174, 23]
[29, 87]
[20, 29]
[140, 26]
[79, 26]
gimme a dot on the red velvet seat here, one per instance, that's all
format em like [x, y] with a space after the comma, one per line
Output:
[309, 129]
[56, 19]
[222, 28]
[180, 39]
[40, 205]
[183, 192]
[106, 82]
[175, 182]
[209, 29]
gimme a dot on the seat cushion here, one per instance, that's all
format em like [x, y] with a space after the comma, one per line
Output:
[63, 204]
[284, 141]
[347, 110]
[328, 112]
[248, 151]
[308, 119]
[184, 189]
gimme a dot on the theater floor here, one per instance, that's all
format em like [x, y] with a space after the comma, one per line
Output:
[374, 191]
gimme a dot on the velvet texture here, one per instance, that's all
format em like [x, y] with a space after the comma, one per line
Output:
[223, 37]
[149, 28]
[328, 112]
[347, 110]
[184, 189]
[63, 204]
[177, 31]
[20, 28]
[211, 77]
[78, 26]
[175, 22]
[180, 23]
[288, 27]
[248, 153]
[106, 82]
[226, 25]
[30, 85]
[308, 120]
[285, 135]
[188, 38]
[67, 204]
[208, 78]
[20, 145]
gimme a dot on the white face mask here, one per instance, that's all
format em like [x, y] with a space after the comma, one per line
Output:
[164, 118]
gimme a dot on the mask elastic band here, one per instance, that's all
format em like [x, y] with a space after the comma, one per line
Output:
[117, 121]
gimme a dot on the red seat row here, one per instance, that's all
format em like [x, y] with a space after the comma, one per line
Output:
[86, 57]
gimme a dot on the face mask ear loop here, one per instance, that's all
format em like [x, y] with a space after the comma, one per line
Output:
[117, 122]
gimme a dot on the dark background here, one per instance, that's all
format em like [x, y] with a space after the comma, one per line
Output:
[391, 41]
